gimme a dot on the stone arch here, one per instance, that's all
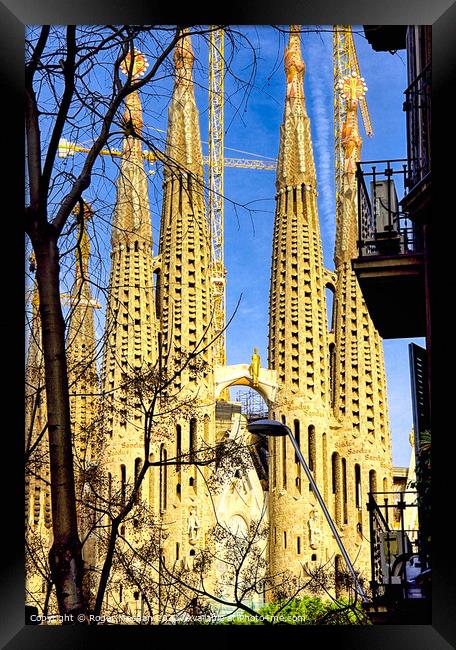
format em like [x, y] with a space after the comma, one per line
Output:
[239, 375]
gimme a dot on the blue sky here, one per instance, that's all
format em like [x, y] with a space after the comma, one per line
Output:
[252, 123]
[248, 236]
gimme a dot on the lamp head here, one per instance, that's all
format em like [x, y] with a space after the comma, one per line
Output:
[268, 427]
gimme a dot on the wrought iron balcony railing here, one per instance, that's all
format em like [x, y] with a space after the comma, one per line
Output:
[396, 556]
[383, 227]
[418, 108]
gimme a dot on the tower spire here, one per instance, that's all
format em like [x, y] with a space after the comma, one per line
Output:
[185, 311]
[131, 220]
[296, 163]
[183, 147]
[359, 381]
[185, 288]
[298, 345]
[130, 343]
[351, 88]
[81, 348]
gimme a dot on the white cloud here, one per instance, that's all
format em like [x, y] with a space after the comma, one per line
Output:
[318, 84]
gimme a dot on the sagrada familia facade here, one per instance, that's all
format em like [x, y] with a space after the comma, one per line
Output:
[161, 396]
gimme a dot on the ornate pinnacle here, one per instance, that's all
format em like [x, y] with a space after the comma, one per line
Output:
[183, 60]
[140, 64]
[294, 64]
[133, 110]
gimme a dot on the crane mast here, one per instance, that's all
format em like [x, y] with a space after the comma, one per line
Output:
[216, 191]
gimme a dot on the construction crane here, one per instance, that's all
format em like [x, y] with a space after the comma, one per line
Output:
[216, 195]
[67, 148]
[345, 62]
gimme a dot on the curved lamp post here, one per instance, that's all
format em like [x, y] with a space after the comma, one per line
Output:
[275, 428]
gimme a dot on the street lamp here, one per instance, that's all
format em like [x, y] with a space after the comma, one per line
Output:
[275, 428]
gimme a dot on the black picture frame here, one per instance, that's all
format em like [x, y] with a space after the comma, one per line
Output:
[14, 16]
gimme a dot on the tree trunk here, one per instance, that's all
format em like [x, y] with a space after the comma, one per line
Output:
[65, 556]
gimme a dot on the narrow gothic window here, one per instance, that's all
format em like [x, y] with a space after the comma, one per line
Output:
[284, 461]
[311, 448]
[192, 443]
[358, 486]
[163, 477]
[344, 489]
[123, 483]
[372, 481]
[138, 464]
[334, 459]
[178, 445]
[297, 434]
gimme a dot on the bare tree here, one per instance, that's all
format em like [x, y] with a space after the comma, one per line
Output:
[63, 96]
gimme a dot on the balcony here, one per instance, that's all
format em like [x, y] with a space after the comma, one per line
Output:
[418, 108]
[401, 575]
[390, 262]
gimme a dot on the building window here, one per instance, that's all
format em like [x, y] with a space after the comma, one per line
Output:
[138, 464]
[325, 466]
[178, 446]
[163, 477]
[284, 461]
[284, 456]
[372, 481]
[297, 435]
[123, 484]
[193, 439]
[177, 550]
[299, 545]
[206, 429]
[358, 486]
[344, 489]
[334, 472]
[284, 539]
[274, 462]
[311, 448]
[312, 452]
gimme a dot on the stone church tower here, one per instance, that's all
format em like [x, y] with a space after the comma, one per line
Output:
[362, 461]
[298, 334]
[331, 385]
[186, 322]
[130, 338]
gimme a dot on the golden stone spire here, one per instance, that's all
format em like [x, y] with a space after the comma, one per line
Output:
[296, 163]
[294, 64]
[134, 64]
[298, 332]
[132, 212]
[183, 60]
[183, 139]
